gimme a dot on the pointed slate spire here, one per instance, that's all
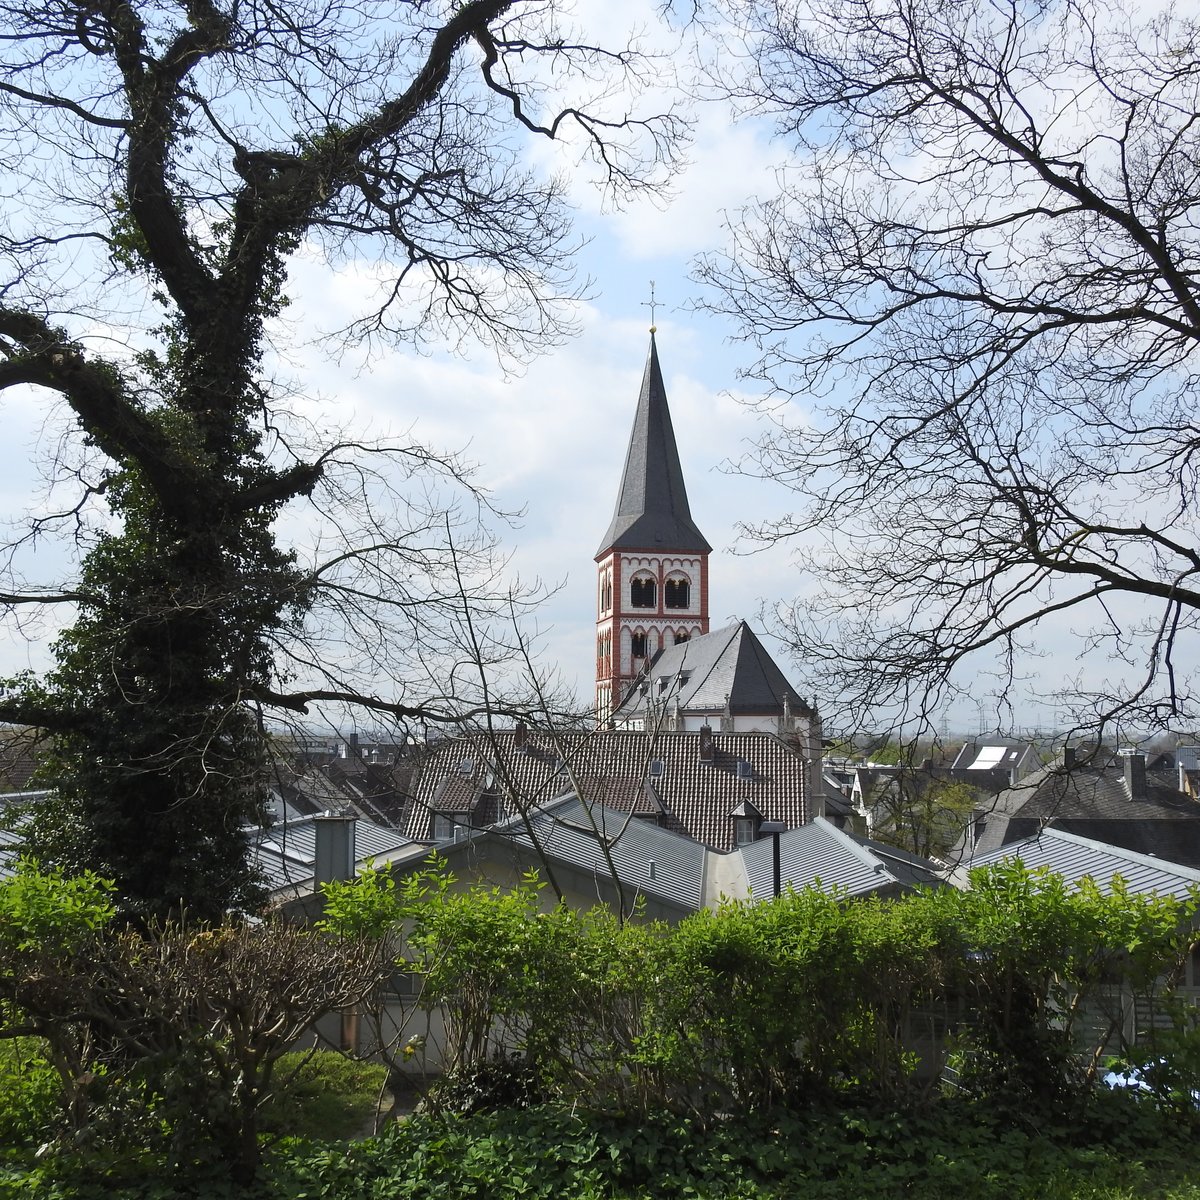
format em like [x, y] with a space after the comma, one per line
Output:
[652, 507]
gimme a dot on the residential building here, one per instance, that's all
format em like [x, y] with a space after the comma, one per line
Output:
[1119, 803]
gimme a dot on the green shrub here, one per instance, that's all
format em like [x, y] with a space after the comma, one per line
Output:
[324, 1096]
[30, 1091]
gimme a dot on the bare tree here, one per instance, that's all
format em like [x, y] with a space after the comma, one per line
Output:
[976, 297]
[164, 163]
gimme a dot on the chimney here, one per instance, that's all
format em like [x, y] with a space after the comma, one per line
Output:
[1135, 775]
[1068, 758]
[708, 747]
[520, 735]
[334, 855]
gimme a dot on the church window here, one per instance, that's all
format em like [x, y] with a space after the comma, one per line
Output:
[677, 593]
[681, 637]
[642, 592]
[638, 645]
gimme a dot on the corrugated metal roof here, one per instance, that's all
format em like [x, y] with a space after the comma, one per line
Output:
[285, 852]
[572, 832]
[821, 855]
[1074, 857]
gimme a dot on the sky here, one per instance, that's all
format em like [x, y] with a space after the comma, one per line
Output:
[550, 439]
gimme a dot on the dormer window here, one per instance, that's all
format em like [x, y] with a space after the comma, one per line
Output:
[446, 829]
[746, 820]
[643, 593]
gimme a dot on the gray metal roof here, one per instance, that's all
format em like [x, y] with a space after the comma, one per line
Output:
[286, 851]
[822, 855]
[727, 664]
[571, 832]
[1188, 757]
[1074, 857]
[652, 510]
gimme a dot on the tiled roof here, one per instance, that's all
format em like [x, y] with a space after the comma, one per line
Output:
[652, 507]
[1093, 802]
[729, 664]
[609, 767]
[1074, 857]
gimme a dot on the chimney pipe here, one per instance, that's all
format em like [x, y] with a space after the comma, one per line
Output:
[708, 747]
[1068, 760]
[334, 856]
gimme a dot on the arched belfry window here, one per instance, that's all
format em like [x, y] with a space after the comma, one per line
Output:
[677, 593]
[642, 592]
[638, 645]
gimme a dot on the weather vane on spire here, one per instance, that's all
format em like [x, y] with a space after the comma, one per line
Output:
[651, 304]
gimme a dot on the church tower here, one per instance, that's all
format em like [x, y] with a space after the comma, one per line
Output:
[652, 566]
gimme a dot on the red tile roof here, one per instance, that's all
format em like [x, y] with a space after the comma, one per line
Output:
[623, 769]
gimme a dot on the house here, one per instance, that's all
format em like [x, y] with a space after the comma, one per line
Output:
[993, 762]
[1120, 803]
[1075, 857]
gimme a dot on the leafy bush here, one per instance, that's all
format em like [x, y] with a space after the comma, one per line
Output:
[29, 1091]
[499, 1082]
[324, 1096]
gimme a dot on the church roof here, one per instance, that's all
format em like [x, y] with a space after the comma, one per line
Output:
[729, 665]
[652, 508]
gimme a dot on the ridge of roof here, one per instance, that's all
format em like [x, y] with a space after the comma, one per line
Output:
[652, 510]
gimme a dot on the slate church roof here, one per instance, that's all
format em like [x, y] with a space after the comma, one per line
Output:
[729, 664]
[652, 507]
